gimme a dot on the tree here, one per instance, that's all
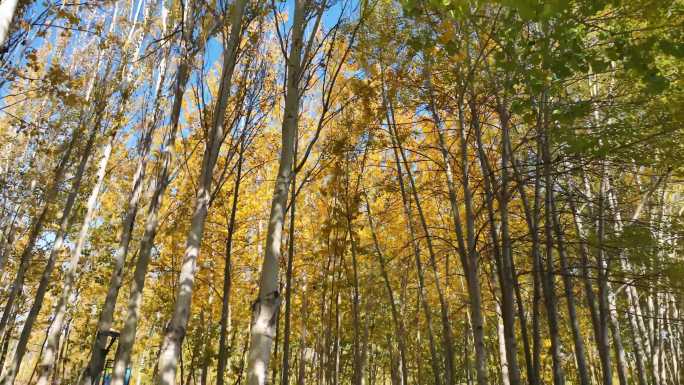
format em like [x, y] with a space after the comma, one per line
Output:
[466, 192]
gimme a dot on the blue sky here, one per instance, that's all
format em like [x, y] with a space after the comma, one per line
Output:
[212, 52]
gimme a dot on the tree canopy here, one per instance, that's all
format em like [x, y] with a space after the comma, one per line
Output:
[435, 192]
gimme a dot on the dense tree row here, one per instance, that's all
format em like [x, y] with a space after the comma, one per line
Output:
[336, 191]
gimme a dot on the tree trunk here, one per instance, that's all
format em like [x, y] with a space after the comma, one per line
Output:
[301, 375]
[288, 276]
[620, 357]
[580, 355]
[602, 273]
[106, 319]
[447, 343]
[548, 279]
[638, 344]
[675, 339]
[6, 340]
[505, 377]
[89, 110]
[396, 319]
[584, 254]
[8, 242]
[37, 227]
[501, 249]
[206, 344]
[265, 308]
[422, 295]
[10, 373]
[175, 332]
[62, 350]
[40, 353]
[59, 313]
[509, 281]
[531, 212]
[158, 187]
[356, 311]
[227, 279]
[7, 10]
[471, 263]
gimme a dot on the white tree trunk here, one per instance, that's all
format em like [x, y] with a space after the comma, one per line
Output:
[265, 308]
[37, 228]
[175, 332]
[97, 356]
[11, 372]
[7, 10]
[158, 186]
[48, 362]
[59, 314]
[8, 241]
[50, 195]
[502, 344]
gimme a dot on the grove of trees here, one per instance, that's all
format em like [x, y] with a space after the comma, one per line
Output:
[364, 192]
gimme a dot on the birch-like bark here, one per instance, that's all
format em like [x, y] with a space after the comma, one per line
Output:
[7, 10]
[637, 342]
[471, 265]
[570, 300]
[59, 314]
[675, 339]
[106, 319]
[6, 339]
[602, 274]
[501, 248]
[227, 277]
[620, 356]
[8, 242]
[501, 337]
[301, 370]
[584, 254]
[265, 308]
[359, 362]
[11, 372]
[602, 265]
[508, 276]
[158, 186]
[62, 350]
[40, 354]
[37, 227]
[635, 312]
[90, 109]
[176, 329]
[288, 274]
[447, 339]
[657, 344]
